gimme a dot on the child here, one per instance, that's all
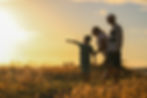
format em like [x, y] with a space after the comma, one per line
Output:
[85, 53]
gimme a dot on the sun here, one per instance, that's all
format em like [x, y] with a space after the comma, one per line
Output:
[10, 35]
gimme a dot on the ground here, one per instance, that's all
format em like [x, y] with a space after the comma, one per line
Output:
[66, 82]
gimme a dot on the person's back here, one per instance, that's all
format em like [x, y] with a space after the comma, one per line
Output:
[102, 42]
[85, 53]
[102, 39]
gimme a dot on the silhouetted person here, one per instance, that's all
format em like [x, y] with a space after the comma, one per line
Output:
[115, 45]
[102, 40]
[115, 41]
[85, 53]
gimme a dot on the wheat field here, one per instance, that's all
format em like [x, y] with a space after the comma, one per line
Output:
[66, 82]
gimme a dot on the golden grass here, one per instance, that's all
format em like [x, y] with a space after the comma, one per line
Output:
[65, 82]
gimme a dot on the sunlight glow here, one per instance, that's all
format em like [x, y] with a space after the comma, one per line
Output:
[5, 0]
[10, 35]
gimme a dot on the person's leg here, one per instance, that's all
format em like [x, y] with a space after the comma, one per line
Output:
[109, 59]
[109, 64]
[86, 72]
[117, 64]
[120, 59]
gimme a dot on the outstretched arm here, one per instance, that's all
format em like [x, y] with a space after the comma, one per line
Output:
[73, 41]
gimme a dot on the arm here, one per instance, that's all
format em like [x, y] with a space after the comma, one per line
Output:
[73, 41]
[93, 52]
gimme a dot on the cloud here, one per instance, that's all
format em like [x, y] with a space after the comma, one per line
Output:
[140, 2]
[102, 12]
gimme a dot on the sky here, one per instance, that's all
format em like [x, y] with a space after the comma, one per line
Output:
[35, 31]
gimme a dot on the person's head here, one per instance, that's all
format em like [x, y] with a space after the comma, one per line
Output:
[87, 39]
[96, 31]
[111, 19]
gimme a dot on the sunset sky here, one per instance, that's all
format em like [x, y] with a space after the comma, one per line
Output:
[36, 30]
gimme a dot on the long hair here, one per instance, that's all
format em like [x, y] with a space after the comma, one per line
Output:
[97, 29]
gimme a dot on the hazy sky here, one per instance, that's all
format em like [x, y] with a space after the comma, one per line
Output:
[47, 23]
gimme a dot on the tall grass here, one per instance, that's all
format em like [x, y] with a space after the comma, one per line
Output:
[66, 82]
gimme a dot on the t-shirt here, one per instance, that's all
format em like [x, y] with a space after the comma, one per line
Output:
[85, 53]
[115, 39]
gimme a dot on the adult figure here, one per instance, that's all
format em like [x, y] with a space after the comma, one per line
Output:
[102, 40]
[115, 41]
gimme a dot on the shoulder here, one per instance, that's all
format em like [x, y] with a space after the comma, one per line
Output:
[102, 35]
[118, 26]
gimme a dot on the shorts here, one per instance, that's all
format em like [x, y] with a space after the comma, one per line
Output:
[114, 59]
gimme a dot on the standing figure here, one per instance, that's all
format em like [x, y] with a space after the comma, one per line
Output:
[102, 41]
[85, 53]
[115, 44]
